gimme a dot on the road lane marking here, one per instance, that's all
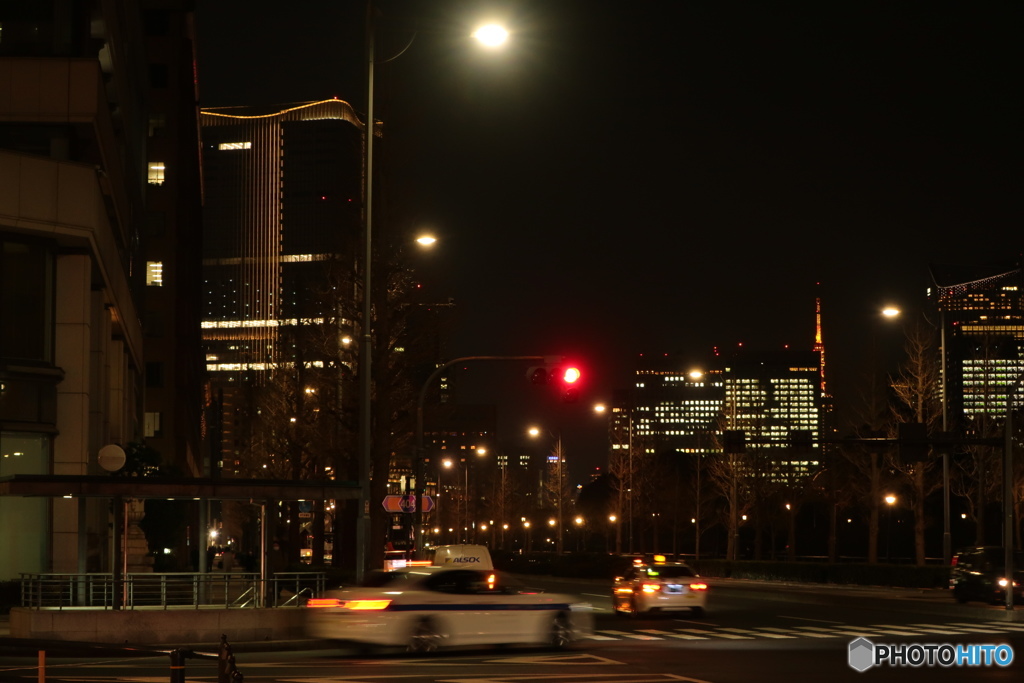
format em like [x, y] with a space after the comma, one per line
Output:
[717, 634]
[999, 624]
[819, 621]
[747, 632]
[810, 634]
[891, 630]
[669, 634]
[935, 629]
[624, 634]
[973, 628]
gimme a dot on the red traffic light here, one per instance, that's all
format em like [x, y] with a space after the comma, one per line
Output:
[571, 375]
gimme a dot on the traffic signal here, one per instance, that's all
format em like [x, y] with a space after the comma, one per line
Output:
[565, 377]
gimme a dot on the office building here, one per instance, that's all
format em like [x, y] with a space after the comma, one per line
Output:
[96, 102]
[282, 226]
[981, 312]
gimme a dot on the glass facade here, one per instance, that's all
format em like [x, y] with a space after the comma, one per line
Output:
[24, 545]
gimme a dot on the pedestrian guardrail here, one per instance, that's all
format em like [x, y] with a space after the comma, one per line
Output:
[233, 590]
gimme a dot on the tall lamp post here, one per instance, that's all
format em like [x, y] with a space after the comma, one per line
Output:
[490, 36]
[559, 488]
[1008, 515]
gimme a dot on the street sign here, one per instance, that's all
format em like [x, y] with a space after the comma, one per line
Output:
[407, 503]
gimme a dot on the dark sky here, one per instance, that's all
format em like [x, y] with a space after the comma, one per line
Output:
[648, 177]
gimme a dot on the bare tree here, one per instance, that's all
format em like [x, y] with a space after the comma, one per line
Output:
[917, 388]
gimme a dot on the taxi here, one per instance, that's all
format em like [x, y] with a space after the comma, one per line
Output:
[659, 587]
[423, 609]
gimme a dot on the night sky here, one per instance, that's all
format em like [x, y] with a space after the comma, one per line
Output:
[663, 177]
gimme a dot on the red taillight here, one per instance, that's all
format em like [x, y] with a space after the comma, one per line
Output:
[651, 587]
[323, 602]
[698, 586]
[954, 560]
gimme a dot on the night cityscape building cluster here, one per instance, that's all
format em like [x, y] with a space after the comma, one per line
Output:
[188, 280]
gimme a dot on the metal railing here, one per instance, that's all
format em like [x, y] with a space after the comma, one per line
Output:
[231, 590]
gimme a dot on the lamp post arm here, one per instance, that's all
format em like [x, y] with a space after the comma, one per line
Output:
[418, 473]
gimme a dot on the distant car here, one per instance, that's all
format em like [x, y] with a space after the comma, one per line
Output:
[980, 574]
[425, 608]
[656, 587]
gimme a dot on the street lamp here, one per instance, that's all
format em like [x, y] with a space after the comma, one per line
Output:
[890, 500]
[559, 488]
[491, 36]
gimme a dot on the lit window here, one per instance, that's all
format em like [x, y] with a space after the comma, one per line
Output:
[156, 172]
[152, 425]
[235, 145]
[154, 274]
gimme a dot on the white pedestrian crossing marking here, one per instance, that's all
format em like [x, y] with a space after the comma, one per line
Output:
[635, 636]
[717, 634]
[1011, 627]
[797, 633]
[748, 632]
[937, 629]
[669, 634]
[890, 630]
[975, 628]
[839, 630]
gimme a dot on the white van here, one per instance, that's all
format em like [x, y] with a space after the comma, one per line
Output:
[462, 555]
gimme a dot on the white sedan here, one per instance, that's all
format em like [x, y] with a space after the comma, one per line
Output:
[425, 608]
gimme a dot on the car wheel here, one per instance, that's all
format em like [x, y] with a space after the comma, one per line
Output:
[424, 639]
[634, 608]
[959, 595]
[697, 611]
[561, 633]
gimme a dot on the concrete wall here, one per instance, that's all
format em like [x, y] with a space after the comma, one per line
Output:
[202, 627]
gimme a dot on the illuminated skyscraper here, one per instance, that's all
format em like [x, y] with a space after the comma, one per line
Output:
[282, 223]
[982, 320]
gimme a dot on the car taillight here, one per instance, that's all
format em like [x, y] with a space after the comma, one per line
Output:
[323, 602]
[651, 587]
[954, 561]
[698, 586]
[366, 604]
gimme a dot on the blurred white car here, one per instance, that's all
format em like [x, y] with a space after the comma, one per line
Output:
[659, 587]
[425, 608]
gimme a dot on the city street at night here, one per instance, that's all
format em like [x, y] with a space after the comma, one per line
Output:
[752, 631]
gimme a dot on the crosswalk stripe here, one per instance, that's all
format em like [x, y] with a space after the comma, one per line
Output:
[890, 630]
[748, 632]
[837, 631]
[717, 634]
[810, 634]
[634, 636]
[973, 628]
[935, 629]
[669, 634]
[1012, 627]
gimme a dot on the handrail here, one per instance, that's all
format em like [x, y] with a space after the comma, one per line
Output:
[232, 590]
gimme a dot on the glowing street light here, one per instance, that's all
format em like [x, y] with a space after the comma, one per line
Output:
[491, 35]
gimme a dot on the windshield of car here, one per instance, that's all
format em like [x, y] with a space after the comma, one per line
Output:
[670, 572]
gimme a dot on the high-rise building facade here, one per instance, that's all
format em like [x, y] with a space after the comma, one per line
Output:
[282, 223]
[84, 96]
[982, 323]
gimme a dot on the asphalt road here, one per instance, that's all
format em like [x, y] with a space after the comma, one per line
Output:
[751, 632]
